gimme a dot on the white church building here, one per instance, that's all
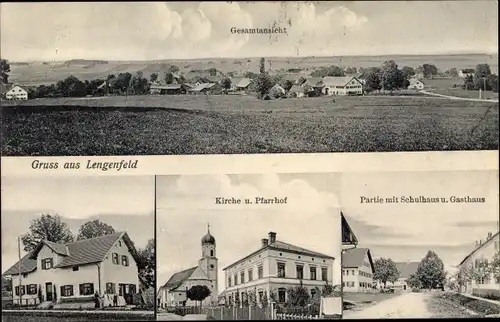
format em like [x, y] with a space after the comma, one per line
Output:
[174, 292]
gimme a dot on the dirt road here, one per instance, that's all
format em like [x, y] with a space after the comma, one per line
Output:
[407, 305]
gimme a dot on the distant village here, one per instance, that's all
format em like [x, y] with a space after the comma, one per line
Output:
[267, 84]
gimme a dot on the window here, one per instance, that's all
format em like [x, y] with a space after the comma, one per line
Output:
[313, 272]
[75, 268]
[281, 295]
[119, 243]
[343, 272]
[229, 281]
[353, 273]
[23, 290]
[300, 272]
[235, 279]
[242, 277]
[260, 271]
[281, 270]
[347, 272]
[212, 253]
[47, 263]
[110, 288]
[87, 289]
[32, 289]
[124, 260]
[324, 274]
[250, 275]
[67, 290]
[115, 258]
[261, 295]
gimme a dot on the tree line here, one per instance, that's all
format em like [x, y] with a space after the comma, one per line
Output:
[52, 228]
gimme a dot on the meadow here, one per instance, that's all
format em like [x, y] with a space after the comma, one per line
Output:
[224, 124]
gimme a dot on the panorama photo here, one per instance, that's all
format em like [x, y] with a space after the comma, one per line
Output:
[271, 77]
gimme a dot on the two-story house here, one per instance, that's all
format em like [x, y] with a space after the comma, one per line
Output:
[345, 85]
[483, 253]
[357, 270]
[78, 270]
[270, 270]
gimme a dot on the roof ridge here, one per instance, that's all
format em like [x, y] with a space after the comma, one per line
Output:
[98, 237]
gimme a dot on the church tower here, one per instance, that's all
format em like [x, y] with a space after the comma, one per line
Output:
[208, 263]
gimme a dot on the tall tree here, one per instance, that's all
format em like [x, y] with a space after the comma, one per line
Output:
[147, 263]
[263, 84]
[169, 78]
[153, 77]
[93, 229]
[372, 82]
[262, 66]
[482, 71]
[385, 270]
[464, 275]
[4, 70]
[494, 267]
[429, 70]
[408, 72]
[173, 69]
[226, 83]
[453, 72]
[198, 293]
[430, 271]
[469, 82]
[391, 78]
[48, 227]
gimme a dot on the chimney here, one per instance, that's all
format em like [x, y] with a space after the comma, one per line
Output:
[490, 234]
[264, 242]
[477, 243]
[272, 237]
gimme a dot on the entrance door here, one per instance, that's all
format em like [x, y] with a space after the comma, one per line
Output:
[404, 287]
[49, 291]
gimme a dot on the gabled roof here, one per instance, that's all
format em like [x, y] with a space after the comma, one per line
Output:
[286, 247]
[28, 265]
[406, 269]
[338, 81]
[201, 87]
[242, 82]
[348, 237]
[82, 252]
[213, 79]
[296, 89]
[277, 86]
[355, 257]
[169, 86]
[178, 278]
[414, 80]
[314, 81]
[489, 240]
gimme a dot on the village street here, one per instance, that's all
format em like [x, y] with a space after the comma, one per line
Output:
[408, 305]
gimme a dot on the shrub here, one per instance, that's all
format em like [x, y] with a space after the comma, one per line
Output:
[487, 294]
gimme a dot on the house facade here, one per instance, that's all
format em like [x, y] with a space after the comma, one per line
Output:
[75, 271]
[268, 272]
[416, 83]
[405, 269]
[174, 292]
[342, 86]
[463, 73]
[16, 92]
[483, 253]
[357, 271]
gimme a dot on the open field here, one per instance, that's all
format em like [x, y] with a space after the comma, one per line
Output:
[38, 73]
[225, 124]
[444, 86]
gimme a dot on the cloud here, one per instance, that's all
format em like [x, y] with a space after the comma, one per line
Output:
[79, 197]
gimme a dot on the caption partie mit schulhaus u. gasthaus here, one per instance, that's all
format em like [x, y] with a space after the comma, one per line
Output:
[89, 164]
[421, 199]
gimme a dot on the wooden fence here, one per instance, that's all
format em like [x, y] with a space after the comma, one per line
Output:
[239, 313]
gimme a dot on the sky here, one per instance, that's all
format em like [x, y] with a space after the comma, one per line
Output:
[186, 205]
[188, 30]
[125, 202]
[405, 232]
